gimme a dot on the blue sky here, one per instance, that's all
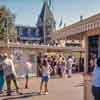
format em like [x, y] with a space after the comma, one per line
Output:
[27, 11]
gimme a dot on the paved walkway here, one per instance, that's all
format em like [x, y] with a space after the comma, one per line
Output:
[59, 89]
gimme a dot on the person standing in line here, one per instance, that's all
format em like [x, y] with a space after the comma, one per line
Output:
[55, 66]
[96, 81]
[60, 65]
[45, 75]
[63, 67]
[1, 74]
[27, 67]
[93, 61]
[9, 72]
[70, 63]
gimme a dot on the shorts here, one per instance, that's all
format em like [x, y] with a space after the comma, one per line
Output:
[27, 76]
[45, 78]
[96, 92]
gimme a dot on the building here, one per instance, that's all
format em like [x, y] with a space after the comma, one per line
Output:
[87, 31]
[46, 23]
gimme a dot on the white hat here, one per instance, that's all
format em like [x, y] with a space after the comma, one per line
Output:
[5, 55]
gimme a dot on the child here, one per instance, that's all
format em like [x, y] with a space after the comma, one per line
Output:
[45, 75]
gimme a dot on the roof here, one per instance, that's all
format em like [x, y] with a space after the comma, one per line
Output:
[45, 9]
[71, 29]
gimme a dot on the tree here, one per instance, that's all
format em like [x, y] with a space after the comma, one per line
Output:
[6, 23]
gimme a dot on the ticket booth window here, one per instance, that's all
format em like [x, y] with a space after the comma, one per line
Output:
[92, 47]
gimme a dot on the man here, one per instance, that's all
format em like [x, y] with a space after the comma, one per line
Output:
[70, 63]
[96, 81]
[9, 72]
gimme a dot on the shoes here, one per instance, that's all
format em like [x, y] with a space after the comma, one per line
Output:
[26, 87]
[40, 93]
[46, 93]
[1, 92]
[8, 94]
[69, 76]
[19, 93]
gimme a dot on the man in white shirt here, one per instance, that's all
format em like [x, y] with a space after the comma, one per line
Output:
[9, 72]
[70, 63]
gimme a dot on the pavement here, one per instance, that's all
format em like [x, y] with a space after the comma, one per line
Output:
[59, 89]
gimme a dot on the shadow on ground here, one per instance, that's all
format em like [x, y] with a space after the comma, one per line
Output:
[79, 85]
[24, 95]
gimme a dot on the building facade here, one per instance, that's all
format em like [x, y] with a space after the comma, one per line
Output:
[87, 31]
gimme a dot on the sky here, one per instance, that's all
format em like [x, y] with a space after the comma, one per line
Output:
[27, 11]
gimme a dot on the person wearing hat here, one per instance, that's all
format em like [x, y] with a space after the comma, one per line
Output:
[9, 72]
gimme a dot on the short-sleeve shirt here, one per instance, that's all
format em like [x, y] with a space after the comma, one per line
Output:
[8, 67]
[96, 77]
[70, 62]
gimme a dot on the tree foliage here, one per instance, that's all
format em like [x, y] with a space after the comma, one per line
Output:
[6, 22]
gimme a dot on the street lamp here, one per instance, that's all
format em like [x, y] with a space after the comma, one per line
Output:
[44, 27]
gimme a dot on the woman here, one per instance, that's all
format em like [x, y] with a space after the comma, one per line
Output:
[45, 75]
[1, 74]
[96, 81]
[93, 61]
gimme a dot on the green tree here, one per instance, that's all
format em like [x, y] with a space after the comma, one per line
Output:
[6, 23]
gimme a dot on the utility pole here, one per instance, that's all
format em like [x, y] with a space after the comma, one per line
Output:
[44, 25]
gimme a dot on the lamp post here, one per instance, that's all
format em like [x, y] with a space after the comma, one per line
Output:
[44, 25]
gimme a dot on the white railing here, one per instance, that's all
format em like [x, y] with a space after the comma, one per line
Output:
[37, 46]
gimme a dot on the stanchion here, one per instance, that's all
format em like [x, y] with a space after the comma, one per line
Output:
[87, 87]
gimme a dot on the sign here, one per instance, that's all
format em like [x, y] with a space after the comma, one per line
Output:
[28, 33]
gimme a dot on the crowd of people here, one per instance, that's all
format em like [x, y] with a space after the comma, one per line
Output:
[49, 66]
[52, 66]
[60, 65]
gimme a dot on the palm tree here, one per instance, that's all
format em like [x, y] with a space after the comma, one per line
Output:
[6, 23]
